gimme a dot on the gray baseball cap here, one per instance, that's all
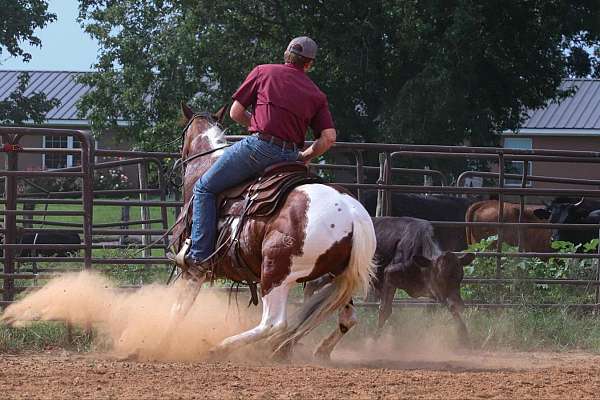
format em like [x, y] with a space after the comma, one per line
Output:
[303, 46]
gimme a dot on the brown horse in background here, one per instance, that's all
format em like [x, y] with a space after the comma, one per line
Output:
[318, 230]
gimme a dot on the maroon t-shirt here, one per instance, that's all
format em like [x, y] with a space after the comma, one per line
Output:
[285, 102]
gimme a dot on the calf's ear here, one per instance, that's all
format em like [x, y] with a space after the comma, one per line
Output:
[466, 259]
[541, 213]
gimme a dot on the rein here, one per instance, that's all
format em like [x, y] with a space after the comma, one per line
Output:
[182, 163]
[205, 153]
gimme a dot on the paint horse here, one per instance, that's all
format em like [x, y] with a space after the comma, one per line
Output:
[317, 230]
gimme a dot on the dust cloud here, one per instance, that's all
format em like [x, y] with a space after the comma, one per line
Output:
[140, 324]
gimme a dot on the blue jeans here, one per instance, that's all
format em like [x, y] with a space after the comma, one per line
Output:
[246, 159]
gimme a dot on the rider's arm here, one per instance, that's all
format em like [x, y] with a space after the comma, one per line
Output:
[239, 114]
[319, 146]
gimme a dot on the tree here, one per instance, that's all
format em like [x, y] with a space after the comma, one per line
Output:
[395, 71]
[18, 20]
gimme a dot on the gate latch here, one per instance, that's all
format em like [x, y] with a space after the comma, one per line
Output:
[8, 147]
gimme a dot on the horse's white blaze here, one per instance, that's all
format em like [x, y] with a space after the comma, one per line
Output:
[329, 219]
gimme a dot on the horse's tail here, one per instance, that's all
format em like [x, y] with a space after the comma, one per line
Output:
[356, 277]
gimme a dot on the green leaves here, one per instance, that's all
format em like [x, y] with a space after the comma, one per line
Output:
[394, 71]
[18, 20]
[523, 269]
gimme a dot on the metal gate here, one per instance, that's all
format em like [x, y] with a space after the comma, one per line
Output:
[367, 166]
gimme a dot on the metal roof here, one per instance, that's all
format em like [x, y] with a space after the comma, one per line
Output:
[59, 85]
[580, 112]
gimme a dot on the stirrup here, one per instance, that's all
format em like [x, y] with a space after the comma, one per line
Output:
[180, 257]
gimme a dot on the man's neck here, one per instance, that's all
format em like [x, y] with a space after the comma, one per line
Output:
[295, 67]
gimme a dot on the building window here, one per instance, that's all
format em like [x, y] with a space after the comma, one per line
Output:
[61, 160]
[516, 167]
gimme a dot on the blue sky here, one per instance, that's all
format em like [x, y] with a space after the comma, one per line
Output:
[65, 46]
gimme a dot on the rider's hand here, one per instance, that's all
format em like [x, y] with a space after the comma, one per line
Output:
[304, 158]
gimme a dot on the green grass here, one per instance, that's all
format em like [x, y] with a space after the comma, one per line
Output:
[102, 214]
[43, 336]
[521, 329]
[510, 329]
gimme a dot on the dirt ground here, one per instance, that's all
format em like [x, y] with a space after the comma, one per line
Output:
[61, 374]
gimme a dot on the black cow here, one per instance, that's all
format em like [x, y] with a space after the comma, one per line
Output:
[409, 258]
[431, 208]
[55, 237]
[568, 211]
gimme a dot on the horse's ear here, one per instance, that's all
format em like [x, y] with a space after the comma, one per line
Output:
[220, 114]
[186, 111]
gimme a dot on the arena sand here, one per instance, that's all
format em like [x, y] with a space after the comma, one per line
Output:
[137, 324]
[141, 325]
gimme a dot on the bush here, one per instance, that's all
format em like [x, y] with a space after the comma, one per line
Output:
[523, 291]
[110, 179]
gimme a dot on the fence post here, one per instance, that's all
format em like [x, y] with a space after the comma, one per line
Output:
[380, 193]
[88, 159]
[427, 179]
[26, 216]
[124, 238]
[500, 214]
[598, 275]
[359, 173]
[144, 211]
[387, 171]
[522, 206]
[10, 233]
[164, 215]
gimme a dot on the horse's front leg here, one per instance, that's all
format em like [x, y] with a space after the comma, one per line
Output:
[274, 320]
[346, 320]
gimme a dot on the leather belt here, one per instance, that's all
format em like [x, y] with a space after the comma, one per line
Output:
[265, 137]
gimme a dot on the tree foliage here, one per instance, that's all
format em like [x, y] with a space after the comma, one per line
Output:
[395, 71]
[18, 20]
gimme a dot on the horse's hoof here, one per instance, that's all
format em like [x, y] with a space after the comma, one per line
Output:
[131, 356]
[322, 357]
[282, 355]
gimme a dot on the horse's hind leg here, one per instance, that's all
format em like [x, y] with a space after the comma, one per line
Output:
[346, 320]
[274, 319]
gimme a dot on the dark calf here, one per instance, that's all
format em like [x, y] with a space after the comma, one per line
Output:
[437, 278]
[57, 237]
[409, 258]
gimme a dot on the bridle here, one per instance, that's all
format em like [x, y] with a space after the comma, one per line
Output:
[182, 162]
[210, 119]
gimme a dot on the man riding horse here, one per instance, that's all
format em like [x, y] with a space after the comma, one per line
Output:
[285, 102]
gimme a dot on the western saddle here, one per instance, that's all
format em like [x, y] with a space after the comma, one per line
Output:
[259, 197]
